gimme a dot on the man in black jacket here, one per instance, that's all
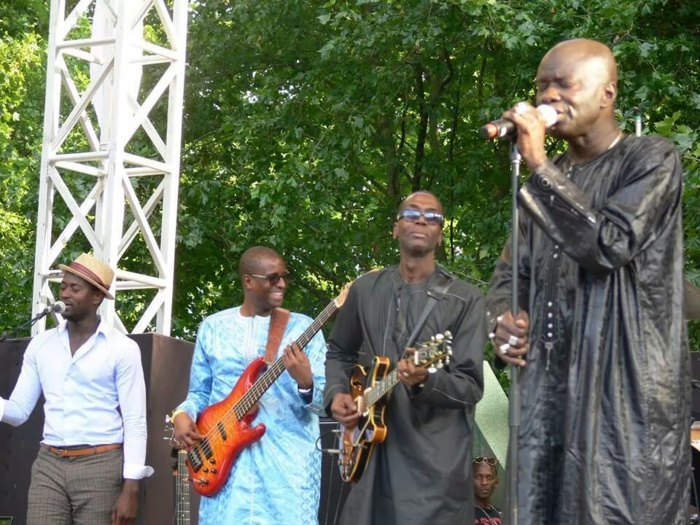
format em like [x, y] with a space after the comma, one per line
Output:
[421, 473]
[600, 334]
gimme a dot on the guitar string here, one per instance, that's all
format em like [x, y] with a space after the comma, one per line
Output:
[249, 399]
[393, 376]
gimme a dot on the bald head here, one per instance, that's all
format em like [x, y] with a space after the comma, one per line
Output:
[578, 78]
[421, 195]
[252, 257]
[591, 54]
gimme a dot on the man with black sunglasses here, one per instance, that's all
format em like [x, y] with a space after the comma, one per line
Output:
[276, 479]
[421, 473]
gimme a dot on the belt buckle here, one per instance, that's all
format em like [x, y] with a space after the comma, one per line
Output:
[62, 452]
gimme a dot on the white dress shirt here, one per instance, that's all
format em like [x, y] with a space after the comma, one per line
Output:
[95, 397]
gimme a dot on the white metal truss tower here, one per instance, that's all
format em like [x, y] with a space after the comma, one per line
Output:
[111, 150]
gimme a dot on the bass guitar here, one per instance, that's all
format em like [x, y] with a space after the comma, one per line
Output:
[182, 479]
[182, 489]
[370, 389]
[226, 425]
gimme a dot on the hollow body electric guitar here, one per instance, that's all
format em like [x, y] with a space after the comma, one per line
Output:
[370, 389]
[226, 425]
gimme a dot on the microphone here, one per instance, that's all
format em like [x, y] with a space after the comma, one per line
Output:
[503, 127]
[58, 307]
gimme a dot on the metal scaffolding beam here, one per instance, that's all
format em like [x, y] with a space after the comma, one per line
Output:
[110, 160]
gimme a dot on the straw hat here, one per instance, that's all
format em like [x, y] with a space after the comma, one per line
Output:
[93, 271]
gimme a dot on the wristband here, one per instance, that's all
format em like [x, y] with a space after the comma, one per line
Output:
[305, 390]
[176, 413]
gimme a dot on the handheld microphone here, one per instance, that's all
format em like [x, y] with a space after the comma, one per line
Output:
[503, 127]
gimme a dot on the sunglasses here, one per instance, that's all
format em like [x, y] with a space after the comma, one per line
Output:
[431, 217]
[484, 459]
[273, 278]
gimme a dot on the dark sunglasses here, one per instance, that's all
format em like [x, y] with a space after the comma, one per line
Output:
[273, 278]
[431, 217]
[484, 459]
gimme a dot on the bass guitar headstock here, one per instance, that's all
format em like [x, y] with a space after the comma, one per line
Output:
[340, 300]
[169, 431]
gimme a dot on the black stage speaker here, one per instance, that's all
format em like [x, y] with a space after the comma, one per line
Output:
[18, 446]
[695, 392]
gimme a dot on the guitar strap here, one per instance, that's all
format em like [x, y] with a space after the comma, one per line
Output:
[436, 290]
[278, 322]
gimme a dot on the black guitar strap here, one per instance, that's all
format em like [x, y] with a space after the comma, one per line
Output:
[436, 290]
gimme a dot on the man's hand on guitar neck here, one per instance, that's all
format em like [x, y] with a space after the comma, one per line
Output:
[185, 431]
[344, 410]
[410, 374]
[297, 364]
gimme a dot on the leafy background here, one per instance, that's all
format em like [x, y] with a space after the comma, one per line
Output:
[306, 122]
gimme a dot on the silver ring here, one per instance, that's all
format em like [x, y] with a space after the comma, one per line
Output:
[499, 318]
[520, 108]
[504, 348]
[512, 340]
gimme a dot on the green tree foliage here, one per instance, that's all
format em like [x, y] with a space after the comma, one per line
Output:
[306, 122]
[22, 78]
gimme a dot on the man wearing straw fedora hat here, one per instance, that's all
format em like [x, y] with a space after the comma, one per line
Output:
[94, 446]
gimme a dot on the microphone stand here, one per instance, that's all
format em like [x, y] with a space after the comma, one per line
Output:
[29, 323]
[514, 395]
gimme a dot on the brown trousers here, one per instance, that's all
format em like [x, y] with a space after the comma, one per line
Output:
[74, 491]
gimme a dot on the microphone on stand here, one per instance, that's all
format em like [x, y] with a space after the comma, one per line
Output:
[58, 307]
[503, 127]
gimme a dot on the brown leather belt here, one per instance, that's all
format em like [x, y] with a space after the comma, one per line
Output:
[81, 450]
